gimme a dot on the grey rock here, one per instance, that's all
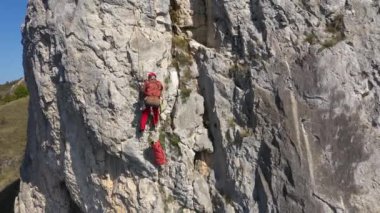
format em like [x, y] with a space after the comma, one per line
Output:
[269, 106]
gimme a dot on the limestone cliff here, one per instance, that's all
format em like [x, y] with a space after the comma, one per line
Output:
[270, 106]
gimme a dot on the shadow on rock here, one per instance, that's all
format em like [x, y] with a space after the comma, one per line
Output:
[8, 195]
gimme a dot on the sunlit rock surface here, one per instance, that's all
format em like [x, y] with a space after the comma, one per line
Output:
[269, 106]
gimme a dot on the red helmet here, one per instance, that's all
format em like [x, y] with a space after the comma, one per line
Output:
[151, 74]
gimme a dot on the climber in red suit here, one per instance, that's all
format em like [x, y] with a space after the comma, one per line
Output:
[152, 89]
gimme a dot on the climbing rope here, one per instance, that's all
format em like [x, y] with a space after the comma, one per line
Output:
[140, 67]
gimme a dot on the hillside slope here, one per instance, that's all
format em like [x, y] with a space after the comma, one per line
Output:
[13, 121]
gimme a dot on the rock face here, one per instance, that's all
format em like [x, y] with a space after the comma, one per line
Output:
[269, 106]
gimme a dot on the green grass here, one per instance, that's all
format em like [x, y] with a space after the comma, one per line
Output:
[13, 123]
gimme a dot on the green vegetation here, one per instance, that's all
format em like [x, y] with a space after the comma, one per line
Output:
[336, 25]
[182, 61]
[7, 95]
[246, 132]
[5, 88]
[181, 42]
[185, 93]
[174, 15]
[165, 136]
[228, 199]
[336, 28]
[183, 58]
[186, 77]
[13, 122]
[162, 132]
[238, 70]
[174, 12]
[167, 81]
[184, 81]
[174, 139]
[182, 55]
[231, 122]
[332, 41]
[21, 91]
[162, 138]
[311, 38]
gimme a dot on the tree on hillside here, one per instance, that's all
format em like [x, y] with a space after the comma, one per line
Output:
[21, 91]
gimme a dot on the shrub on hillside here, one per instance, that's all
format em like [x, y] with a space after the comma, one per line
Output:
[21, 91]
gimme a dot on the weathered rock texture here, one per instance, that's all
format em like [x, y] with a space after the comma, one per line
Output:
[270, 106]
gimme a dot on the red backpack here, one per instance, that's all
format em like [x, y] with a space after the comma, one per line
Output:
[159, 153]
[152, 88]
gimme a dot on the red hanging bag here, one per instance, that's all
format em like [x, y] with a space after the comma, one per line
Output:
[159, 153]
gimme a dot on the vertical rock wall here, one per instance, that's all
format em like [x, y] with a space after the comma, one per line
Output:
[269, 106]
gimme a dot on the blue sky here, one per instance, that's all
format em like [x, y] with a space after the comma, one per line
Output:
[12, 13]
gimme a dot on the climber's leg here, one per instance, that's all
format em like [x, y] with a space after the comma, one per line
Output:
[144, 118]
